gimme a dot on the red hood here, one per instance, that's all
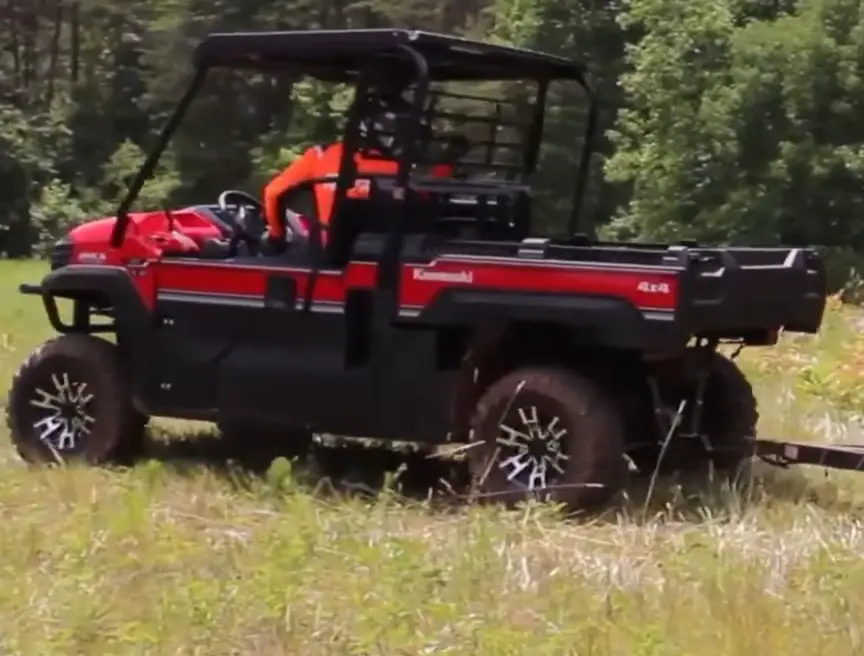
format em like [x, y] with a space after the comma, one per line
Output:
[145, 237]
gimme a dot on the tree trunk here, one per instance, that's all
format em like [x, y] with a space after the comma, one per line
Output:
[75, 45]
[55, 51]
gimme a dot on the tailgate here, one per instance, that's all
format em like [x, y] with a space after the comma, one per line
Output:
[740, 289]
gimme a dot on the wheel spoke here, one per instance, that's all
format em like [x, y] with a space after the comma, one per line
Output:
[62, 385]
[515, 435]
[530, 421]
[48, 426]
[46, 401]
[537, 477]
[520, 447]
[518, 463]
[551, 432]
[66, 441]
[78, 424]
[80, 397]
[554, 462]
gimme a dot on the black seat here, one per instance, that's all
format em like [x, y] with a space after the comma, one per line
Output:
[352, 217]
[432, 214]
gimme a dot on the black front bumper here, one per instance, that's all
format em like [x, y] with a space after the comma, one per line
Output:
[27, 288]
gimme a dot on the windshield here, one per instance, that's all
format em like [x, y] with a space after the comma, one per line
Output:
[241, 129]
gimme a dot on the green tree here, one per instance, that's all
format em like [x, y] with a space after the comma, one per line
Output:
[744, 131]
[675, 143]
[590, 33]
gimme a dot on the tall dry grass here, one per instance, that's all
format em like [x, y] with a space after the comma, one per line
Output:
[163, 559]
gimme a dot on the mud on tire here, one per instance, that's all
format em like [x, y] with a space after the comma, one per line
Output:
[547, 433]
[71, 401]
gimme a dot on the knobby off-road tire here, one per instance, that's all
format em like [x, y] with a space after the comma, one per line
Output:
[71, 401]
[729, 419]
[575, 430]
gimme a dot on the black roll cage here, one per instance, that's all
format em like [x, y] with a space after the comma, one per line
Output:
[293, 50]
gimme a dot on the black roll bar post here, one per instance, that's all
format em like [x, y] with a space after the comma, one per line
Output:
[149, 165]
[388, 269]
[585, 160]
[535, 134]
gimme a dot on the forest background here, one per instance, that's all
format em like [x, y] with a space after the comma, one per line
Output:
[724, 121]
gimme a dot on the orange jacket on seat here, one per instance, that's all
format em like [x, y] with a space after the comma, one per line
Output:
[318, 162]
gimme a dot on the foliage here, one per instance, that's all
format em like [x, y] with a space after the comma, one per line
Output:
[55, 212]
[825, 366]
[124, 165]
[744, 131]
[30, 146]
[728, 121]
[119, 67]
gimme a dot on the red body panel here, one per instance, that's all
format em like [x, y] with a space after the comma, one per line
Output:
[246, 280]
[420, 284]
[418, 290]
[149, 236]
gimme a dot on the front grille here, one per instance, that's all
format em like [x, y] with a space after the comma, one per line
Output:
[61, 254]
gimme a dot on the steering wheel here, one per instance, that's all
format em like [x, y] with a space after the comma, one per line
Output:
[241, 200]
[250, 226]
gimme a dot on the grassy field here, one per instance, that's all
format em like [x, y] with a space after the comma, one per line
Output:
[171, 559]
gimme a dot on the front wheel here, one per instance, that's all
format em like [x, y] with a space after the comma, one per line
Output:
[71, 401]
[547, 433]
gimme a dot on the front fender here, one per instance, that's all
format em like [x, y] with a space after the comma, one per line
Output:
[109, 285]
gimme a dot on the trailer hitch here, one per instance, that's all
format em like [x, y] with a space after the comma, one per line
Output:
[849, 457]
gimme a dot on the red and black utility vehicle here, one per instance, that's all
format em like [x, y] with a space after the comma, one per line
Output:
[430, 310]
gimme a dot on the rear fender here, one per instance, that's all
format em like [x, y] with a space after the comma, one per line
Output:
[603, 321]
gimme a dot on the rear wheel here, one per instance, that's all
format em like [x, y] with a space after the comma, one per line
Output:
[550, 434]
[723, 438]
[71, 401]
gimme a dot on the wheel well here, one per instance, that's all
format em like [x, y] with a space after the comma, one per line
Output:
[489, 353]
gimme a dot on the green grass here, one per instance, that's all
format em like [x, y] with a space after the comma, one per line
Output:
[169, 560]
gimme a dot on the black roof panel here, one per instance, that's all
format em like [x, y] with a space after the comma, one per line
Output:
[339, 54]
